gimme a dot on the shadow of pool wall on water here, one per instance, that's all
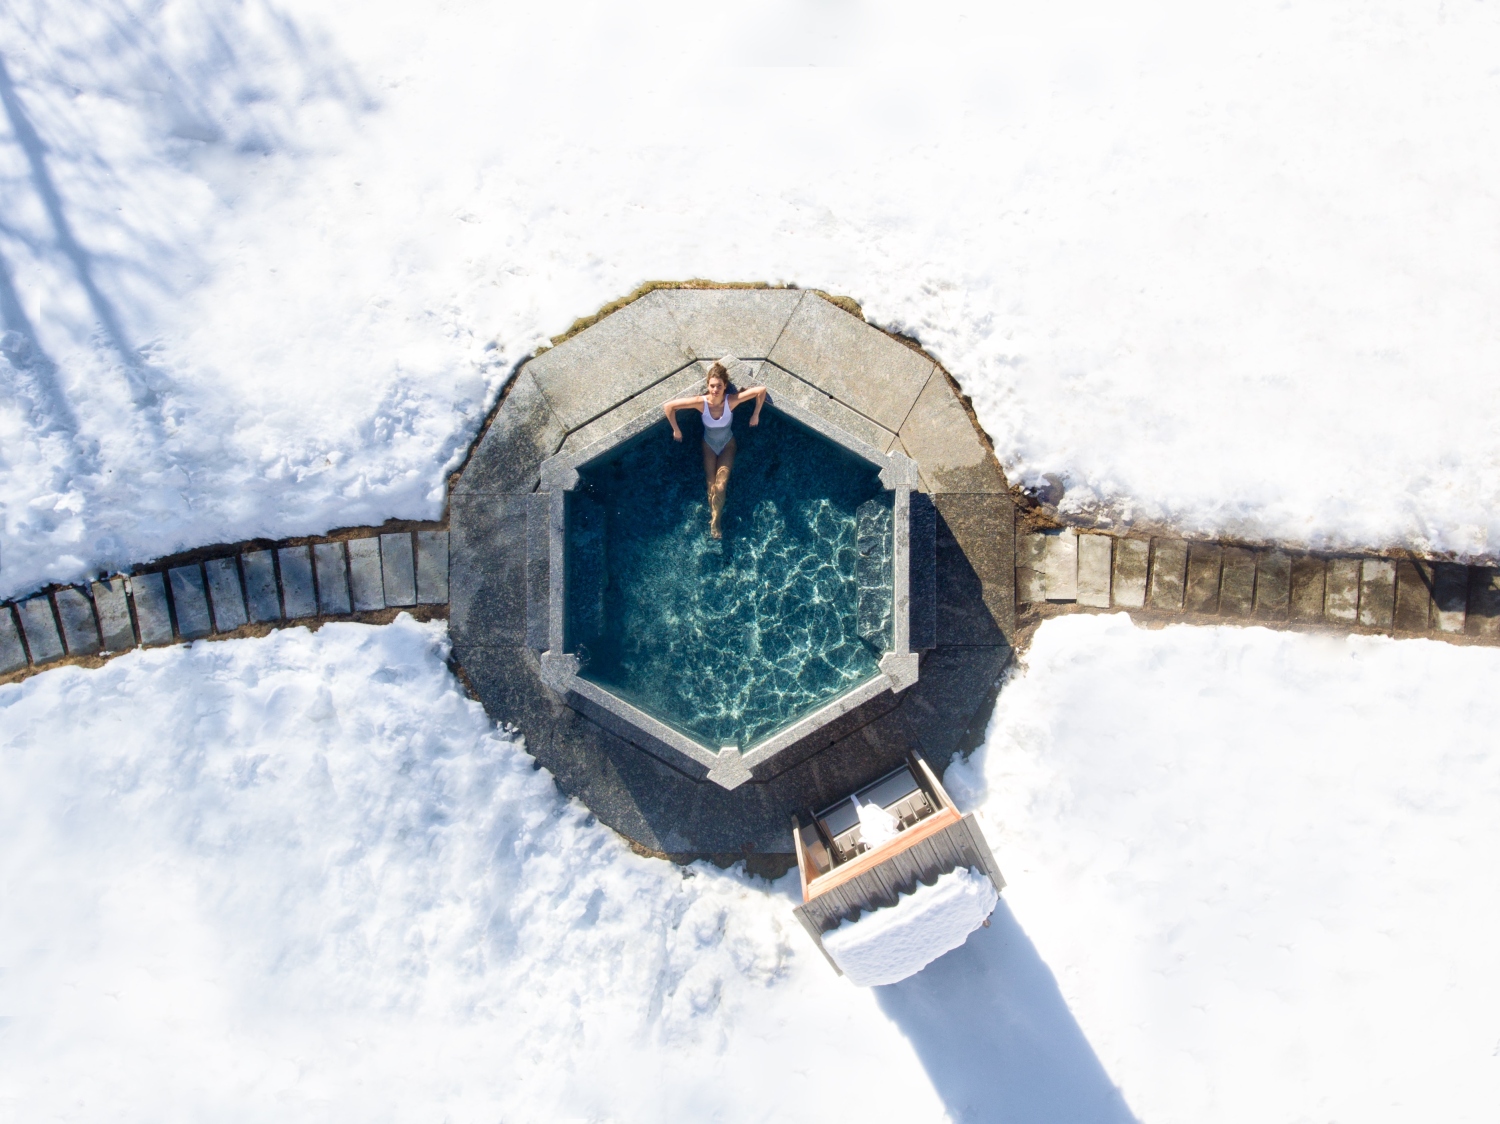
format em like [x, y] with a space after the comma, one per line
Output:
[997, 1038]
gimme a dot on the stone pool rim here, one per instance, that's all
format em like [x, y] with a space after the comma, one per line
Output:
[729, 766]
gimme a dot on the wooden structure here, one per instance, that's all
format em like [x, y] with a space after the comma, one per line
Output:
[842, 876]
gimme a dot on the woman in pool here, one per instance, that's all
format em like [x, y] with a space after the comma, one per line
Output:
[717, 407]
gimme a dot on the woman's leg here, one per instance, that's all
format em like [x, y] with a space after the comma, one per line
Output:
[718, 485]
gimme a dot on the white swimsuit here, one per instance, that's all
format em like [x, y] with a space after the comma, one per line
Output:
[716, 431]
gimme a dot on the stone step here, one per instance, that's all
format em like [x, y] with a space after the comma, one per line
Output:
[398, 569]
[43, 640]
[190, 602]
[298, 594]
[112, 605]
[226, 596]
[12, 651]
[76, 612]
[262, 597]
[152, 616]
[366, 589]
[331, 565]
[432, 567]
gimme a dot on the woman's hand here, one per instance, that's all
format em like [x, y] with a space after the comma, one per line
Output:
[755, 417]
[676, 434]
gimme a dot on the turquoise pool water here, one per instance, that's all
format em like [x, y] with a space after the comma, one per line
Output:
[729, 640]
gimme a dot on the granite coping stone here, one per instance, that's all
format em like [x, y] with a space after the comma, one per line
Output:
[711, 323]
[432, 567]
[12, 652]
[1168, 575]
[853, 362]
[941, 438]
[330, 565]
[787, 387]
[190, 602]
[1095, 560]
[1341, 590]
[152, 616]
[1237, 582]
[1205, 561]
[538, 575]
[1377, 593]
[679, 384]
[487, 569]
[1128, 580]
[366, 589]
[40, 626]
[523, 433]
[76, 613]
[262, 601]
[225, 594]
[112, 604]
[297, 590]
[975, 582]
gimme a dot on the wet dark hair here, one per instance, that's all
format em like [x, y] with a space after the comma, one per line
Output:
[717, 371]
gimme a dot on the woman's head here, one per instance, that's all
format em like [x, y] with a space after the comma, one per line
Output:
[718, 379]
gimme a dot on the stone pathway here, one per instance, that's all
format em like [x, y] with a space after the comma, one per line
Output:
[1205, 582]
[241, 590]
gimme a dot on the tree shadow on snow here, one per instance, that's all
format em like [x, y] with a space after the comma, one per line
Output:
[997, 1038]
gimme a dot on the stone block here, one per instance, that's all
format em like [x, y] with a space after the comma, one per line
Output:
[538, 570]
[1273, 585]
[949, 705]
[923, 573]
[523, 433]
[1341, 590]
[12, 653]
[224, 592]
[298, 593]
[76, 613]
[262, 601]
[1237, 582]
[1377, 593]
[1128, 582]
[618, 357]
[941, 437]
[40, 626]
[1450, 595]
[398, 569]
[1308, 581]
[1201, 595]
[976, 591]
[680, 384]
[1168, 575]
[112, 604]
[786, 387]
[1031, 583]
[333, 579]
[861, 366]
[712, 323]
[152, 617]
[487, 571]
[1413, 596]
[1483, 619]
[366, 589]
[1095, 557]
[432, 567]
[190, 602]
[1060, 566]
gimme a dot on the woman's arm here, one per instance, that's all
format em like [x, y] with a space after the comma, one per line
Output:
[756, 392]
[671, 408]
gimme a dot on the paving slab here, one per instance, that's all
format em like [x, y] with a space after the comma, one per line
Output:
[745, 323]
[859, 365]
[432, 567]
[225, 594]
[922, 574]
[1377, 593]
[1095, 558]
[1201, 595]
[1168, 575]
[152, 617]
[1237, 582]
[1060, 566]
[1413, 596]
[112, 604]
[398, 569]
[366, 589]
[262, 601]
[976, 590]
[940, 436]
[1132, 564]
[618, 357]
[1483, 619]
[950, 703]
[1450, 594]
[298, 593]
[487, 571]
[1341, 590]
[329, 561]
[40, 626]
[1309, 577]
[1273, 585]
[12, 653]
[76, 613]
[190, 602]
[523, 433]
[1031, 582]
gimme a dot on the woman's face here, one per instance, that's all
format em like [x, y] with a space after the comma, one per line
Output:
[715, 391]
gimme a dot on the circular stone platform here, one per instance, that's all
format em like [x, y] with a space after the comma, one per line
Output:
[819, 360]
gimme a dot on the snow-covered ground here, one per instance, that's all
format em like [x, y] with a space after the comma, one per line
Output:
[302, 878]
[1234, 268]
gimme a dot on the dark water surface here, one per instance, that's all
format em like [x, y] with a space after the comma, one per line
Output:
[728, 640]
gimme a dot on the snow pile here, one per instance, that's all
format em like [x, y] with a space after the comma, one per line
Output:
[1189, 260]
[887, 945]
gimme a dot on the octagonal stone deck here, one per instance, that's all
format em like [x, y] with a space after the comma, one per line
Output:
[821, 361]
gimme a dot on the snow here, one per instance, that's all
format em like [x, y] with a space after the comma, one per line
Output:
[274, 266]
[885, 946]
[876, 825]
